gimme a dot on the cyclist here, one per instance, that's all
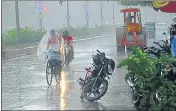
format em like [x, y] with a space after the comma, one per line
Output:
[69, 39]
[55, 44]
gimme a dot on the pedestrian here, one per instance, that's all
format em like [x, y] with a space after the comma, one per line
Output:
[172, 28]
[173, 44]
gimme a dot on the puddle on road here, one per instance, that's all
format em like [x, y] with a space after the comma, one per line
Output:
[31, 67]
[33, 107]
[39, 73]
[83, 50]
[84, 62]
[81, 55]
[93, 49]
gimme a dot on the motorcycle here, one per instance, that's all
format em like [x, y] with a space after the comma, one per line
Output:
[67, 58]
[153, 52]
[96, 75]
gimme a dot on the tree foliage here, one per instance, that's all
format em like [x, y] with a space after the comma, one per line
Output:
[135, 3]
[30, 34]
[149, 80]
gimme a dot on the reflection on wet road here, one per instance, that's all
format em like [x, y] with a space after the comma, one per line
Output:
[24, 84]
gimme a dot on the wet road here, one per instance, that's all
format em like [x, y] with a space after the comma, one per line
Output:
[24, 84]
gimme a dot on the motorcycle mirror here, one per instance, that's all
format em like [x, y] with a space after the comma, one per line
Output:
[164, 33]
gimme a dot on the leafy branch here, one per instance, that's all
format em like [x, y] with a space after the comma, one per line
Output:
[149, 80]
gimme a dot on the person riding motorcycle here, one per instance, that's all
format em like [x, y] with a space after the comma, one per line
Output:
[53, 42]
[68, 40]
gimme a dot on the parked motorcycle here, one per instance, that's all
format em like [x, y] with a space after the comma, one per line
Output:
[164, 47]
[95, 81]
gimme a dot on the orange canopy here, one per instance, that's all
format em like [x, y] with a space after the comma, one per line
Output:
[169, 7]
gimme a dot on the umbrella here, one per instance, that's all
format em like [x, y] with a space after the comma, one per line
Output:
[164, 6]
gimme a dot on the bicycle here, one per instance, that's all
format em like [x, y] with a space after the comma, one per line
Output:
[53, 67]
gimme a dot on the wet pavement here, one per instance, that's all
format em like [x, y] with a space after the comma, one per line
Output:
[24, 84]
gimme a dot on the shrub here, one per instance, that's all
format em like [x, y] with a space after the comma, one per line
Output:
[26, 35]
[143, 67]
[29, 35]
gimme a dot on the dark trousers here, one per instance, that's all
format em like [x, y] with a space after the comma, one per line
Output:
[72, 51]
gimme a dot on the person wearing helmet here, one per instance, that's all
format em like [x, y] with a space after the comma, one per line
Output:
[53, 41]
[68, 39]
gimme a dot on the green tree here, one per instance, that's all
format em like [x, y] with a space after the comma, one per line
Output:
[135, 3]
[149, 80]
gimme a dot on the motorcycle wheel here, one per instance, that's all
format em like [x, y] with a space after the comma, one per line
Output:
[57, 75]
[135, 99]
[153, 98]
[87, 89]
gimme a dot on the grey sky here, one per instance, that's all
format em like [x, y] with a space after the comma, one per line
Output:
[55, 16]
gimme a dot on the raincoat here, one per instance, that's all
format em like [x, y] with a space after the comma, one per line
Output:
[41, 50]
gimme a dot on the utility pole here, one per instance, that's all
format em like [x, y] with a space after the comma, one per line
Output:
[68, 15]
[113, 16]
[39, 8]
[87, 19]
[86, 9]
[17, 20]
[101, 10]
[40, 16]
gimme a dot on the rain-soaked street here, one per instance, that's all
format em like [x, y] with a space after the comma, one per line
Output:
[24, 84]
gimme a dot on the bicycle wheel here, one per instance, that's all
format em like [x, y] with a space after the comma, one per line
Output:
[49, 74]
[57, 75]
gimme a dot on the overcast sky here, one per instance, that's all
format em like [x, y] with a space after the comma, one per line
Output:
[55, 16]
